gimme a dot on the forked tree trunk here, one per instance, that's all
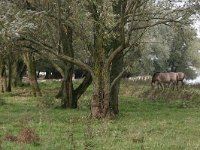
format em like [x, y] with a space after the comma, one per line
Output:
[68, 95]
[76, 93]
[100, 103]
[29, 60]
[67, 87]
[81, 89]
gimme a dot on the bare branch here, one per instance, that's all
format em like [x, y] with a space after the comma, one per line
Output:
[117, 78]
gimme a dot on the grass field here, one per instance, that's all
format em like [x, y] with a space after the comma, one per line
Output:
[148, 120]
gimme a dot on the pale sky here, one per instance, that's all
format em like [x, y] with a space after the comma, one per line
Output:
[197, 26]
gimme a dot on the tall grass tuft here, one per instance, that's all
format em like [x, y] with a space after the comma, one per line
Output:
[88, 136]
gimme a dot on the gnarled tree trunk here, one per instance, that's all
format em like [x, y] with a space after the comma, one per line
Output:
[30, 63]
[100, 104]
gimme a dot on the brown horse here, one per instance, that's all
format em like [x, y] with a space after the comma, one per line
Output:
[165, 77]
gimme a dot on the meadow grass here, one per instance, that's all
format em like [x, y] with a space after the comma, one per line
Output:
[148, 119]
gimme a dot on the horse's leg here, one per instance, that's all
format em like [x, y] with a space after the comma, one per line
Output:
[158, 84]
[170, 84]
[173, 85]
[162, 86]
[176, 83]
[183, 85]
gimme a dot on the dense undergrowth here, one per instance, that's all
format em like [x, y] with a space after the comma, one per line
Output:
[149, 119]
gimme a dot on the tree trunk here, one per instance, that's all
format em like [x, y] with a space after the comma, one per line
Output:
[116, 69]
[9, 65]
[81, 89]
[3, 77]
[18, 72]
[100, 104]
[29, 60]
[67, 87]
[65, 39]
[48, 75]
[69, 96]
[76, 93]
[117, 63]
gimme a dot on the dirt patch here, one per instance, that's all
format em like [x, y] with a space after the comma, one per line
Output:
[10, 137]
[26, 135]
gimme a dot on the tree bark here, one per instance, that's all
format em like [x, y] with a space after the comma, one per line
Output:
[116, 69]
[100, 104]
[76, 93]
[18, 72]
[81, 89]
[3, 77]
[29, 60]
[67, 87]
[9, 66]
[117, 64]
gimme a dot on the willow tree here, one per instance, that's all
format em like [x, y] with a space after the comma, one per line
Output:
[113, 28]
[53, 29]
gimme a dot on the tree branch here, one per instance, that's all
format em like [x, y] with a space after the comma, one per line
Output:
[62, 57]
[117, 78]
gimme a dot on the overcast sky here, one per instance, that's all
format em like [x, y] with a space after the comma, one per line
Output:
[197, 26]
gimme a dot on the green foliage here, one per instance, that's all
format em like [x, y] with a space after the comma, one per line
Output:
[165, 49]
[161, 46]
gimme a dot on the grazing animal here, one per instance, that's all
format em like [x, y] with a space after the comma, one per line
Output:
[165, 77]
[181, 77]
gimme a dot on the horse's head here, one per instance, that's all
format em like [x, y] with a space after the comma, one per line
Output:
[154, 78]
